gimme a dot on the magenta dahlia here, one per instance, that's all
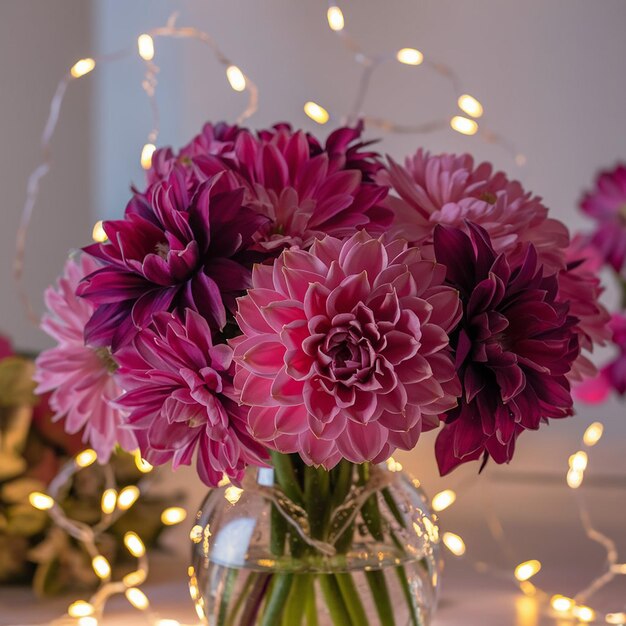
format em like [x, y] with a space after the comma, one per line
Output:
[449, 189]
[79, 375]
[180, 400]
[515, 346]
[175, 248]
[606, 204]
[345, 350]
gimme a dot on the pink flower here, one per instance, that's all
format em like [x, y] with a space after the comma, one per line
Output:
[6, 349]
[581, 288]
[344, 352]
[606, 204]
[79, 375]
[179, 396]
[448, 189]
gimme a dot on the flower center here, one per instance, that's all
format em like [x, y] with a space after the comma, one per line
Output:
[488, 197]
[162, 248]
[105, 356]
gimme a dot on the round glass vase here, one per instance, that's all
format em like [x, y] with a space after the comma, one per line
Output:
[300, 546]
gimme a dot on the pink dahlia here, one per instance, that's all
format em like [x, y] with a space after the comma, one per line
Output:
[515, 346]
[345, 352]
[449, 189]
[580, 286]
[79, 375]
[176, 247]
[606, 204]
[179, 399]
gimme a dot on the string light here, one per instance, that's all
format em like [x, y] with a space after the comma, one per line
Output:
[135, 578]
[87, 621]
[575, 478]
[334, 15]
[173, 515]
[616, 618]
[527, 570]
[137, 598]
[168, 622]
[561, 604]
[82, 67]
[145, 45]
[584, 613]
[142, 465]
[316, 112]
[410, 56]
[134, 545]
[80, 608]
[127, 497]
[527, 588]
[443, 500]
[463, 125]
[235, 77]
[468, 104]
[393, 465]
[97, 233]
[454, 543]
[579, 461]
[101, 567]
[40, 501]
[593, 434]
[146, 155]
[86, 458]
[108, 503]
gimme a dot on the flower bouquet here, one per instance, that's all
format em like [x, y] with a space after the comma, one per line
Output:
[290, 313]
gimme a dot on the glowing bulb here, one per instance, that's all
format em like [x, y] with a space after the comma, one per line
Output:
[561, 604]
[82, 67]
[142, 465]
[527, 570]
[108, 501]
[128, 496]
[40, 500]
[410, 56]
[80, 608]
[584, 613]
[86, 458]
[135, 578]
[232, 494]
[393, 465]
[236, 78]
[195, 534]
[334, 15]
[146, 155]
[97, 233]
[137, 598]
[173, 515]
[575, 478]
[145, 44]
[528, 589]
[134, 544]
[101, 567]
[578, 462]
[468, 104]
[463, 125]
[454, 543]
[443, 500]
[316, 112]
[168, 622]
[87, 621]
[593, 434]
[616, 618]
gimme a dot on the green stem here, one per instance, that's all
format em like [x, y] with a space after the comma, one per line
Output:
[342, 483]
[334, 601]
[229, 585]
[311, 606]
[296, 604]
[278, 531]
[378, 586]
[255, 599]
[277, 596]
[286, 477]
[351, 598]
[241, 597]
[316, 500]
[408, 596]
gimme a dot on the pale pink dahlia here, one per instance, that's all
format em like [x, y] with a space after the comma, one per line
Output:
[80, 376]
[450, 190]
[179, 399]
[345, 351]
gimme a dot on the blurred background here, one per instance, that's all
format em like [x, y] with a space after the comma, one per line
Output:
[551, 78]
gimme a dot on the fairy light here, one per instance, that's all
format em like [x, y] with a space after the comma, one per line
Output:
[146, 155]
[135, 578]
[101, 567]
[443, 500]
[88, 620]
[575, 478]
[127, 497]
[454, 543]
[232, 494]
[584, 613]
[82, 67]
[527, 588]
[579, 461]
[134, 544]
[316, 112]
[137, 598]
[168, 622]
[86, 458]
[616, 618]
[393, 465]
[141, 464]
[593, 434]
[40, 501]
[235, 77]
[561, 604]
[145, 45]
[108, 501]
[80, 608]
[173, 515]
[410, 56]
[527, 570]
[335, 18]
[97, 233]
[463, 125]
[468, 104]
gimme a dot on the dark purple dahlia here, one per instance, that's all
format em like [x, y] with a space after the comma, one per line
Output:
[514, 347]
[177, 247]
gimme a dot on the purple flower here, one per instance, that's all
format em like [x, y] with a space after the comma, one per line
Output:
[514, 347]
[176, 248]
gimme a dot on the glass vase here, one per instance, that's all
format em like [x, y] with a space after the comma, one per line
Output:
[297, 545]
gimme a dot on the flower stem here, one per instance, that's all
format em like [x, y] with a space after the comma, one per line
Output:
[229, 585]
[296, 603]
[351, 598]
[334, 600]
[277, 596]
[311, 606]
[378, 586]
